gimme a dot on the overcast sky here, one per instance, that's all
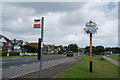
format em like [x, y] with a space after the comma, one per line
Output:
[62, 21]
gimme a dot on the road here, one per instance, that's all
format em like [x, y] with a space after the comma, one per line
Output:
[12, 62]
[13, 67]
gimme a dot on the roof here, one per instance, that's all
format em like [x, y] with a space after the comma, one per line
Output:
[33, 44]
[16, 41]
[4, 38]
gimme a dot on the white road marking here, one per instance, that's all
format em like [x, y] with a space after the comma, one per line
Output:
[25, 60]
[12, 66]
[24, 65]
[33, 63]
[2, 62]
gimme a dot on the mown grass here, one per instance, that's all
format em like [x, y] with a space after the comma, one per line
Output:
[115, 57]
[101, 69]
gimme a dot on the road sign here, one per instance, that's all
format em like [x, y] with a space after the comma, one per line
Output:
[90, 27]
[89, 30]
[37, 23]
[37, 26]
[90, 24]
[36, 20]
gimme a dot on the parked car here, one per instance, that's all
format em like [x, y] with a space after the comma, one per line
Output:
[70, 54]
[118, 54]
[64, 53]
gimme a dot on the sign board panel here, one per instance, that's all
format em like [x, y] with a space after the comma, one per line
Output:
[89, 30]
[36, 23]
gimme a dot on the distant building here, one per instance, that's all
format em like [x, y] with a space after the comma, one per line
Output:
[108, 52]
[5, 44]
[18, 45]
[48, 48]
[32, 44]
[11, 45]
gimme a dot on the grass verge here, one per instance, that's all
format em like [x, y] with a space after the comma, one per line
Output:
[101, 69]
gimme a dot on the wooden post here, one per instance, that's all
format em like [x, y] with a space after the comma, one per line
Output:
[90, 52]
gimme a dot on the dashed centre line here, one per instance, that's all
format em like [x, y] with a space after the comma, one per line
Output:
[24, 65]
[33, 63]
[12, 66]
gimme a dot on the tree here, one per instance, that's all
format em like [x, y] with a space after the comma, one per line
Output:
[100, 49]
[95, 50]
[113, 49]
[73, 47]
[31, 49]
[87, 48]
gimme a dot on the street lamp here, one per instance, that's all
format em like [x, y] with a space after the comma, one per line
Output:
[90, 29]
[77, 43]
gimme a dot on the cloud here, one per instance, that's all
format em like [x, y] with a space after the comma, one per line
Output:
[62, 21]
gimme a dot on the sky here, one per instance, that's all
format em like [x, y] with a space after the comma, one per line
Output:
[62, 21]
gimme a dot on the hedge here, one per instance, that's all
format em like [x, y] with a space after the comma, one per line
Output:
[14, 53]
[4, 53]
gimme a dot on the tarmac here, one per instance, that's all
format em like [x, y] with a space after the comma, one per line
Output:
[48, 73]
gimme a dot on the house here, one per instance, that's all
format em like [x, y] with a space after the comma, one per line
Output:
[18, 45]
[48, 49]
[5, 44]
[108, 52]
[32, 44]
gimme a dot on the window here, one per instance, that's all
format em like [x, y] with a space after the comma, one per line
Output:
[1, 44]
[9, 44]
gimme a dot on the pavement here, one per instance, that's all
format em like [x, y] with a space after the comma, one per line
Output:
[48, 73]
[112, 61]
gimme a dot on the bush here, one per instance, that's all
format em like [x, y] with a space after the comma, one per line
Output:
[4, 53]
[14, 53]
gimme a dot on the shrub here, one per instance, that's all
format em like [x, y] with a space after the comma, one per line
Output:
[14, 53]
[4, 53]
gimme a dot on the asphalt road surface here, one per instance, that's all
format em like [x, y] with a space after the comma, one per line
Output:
[13, 67]
[14, 62]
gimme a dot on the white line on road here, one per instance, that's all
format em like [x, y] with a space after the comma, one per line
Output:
[2, 62]
[12, 66]
[24, 65]
[33, 63]
[25, 60]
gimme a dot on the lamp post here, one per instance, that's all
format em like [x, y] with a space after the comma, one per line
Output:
[77, 43]
[90, 29]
